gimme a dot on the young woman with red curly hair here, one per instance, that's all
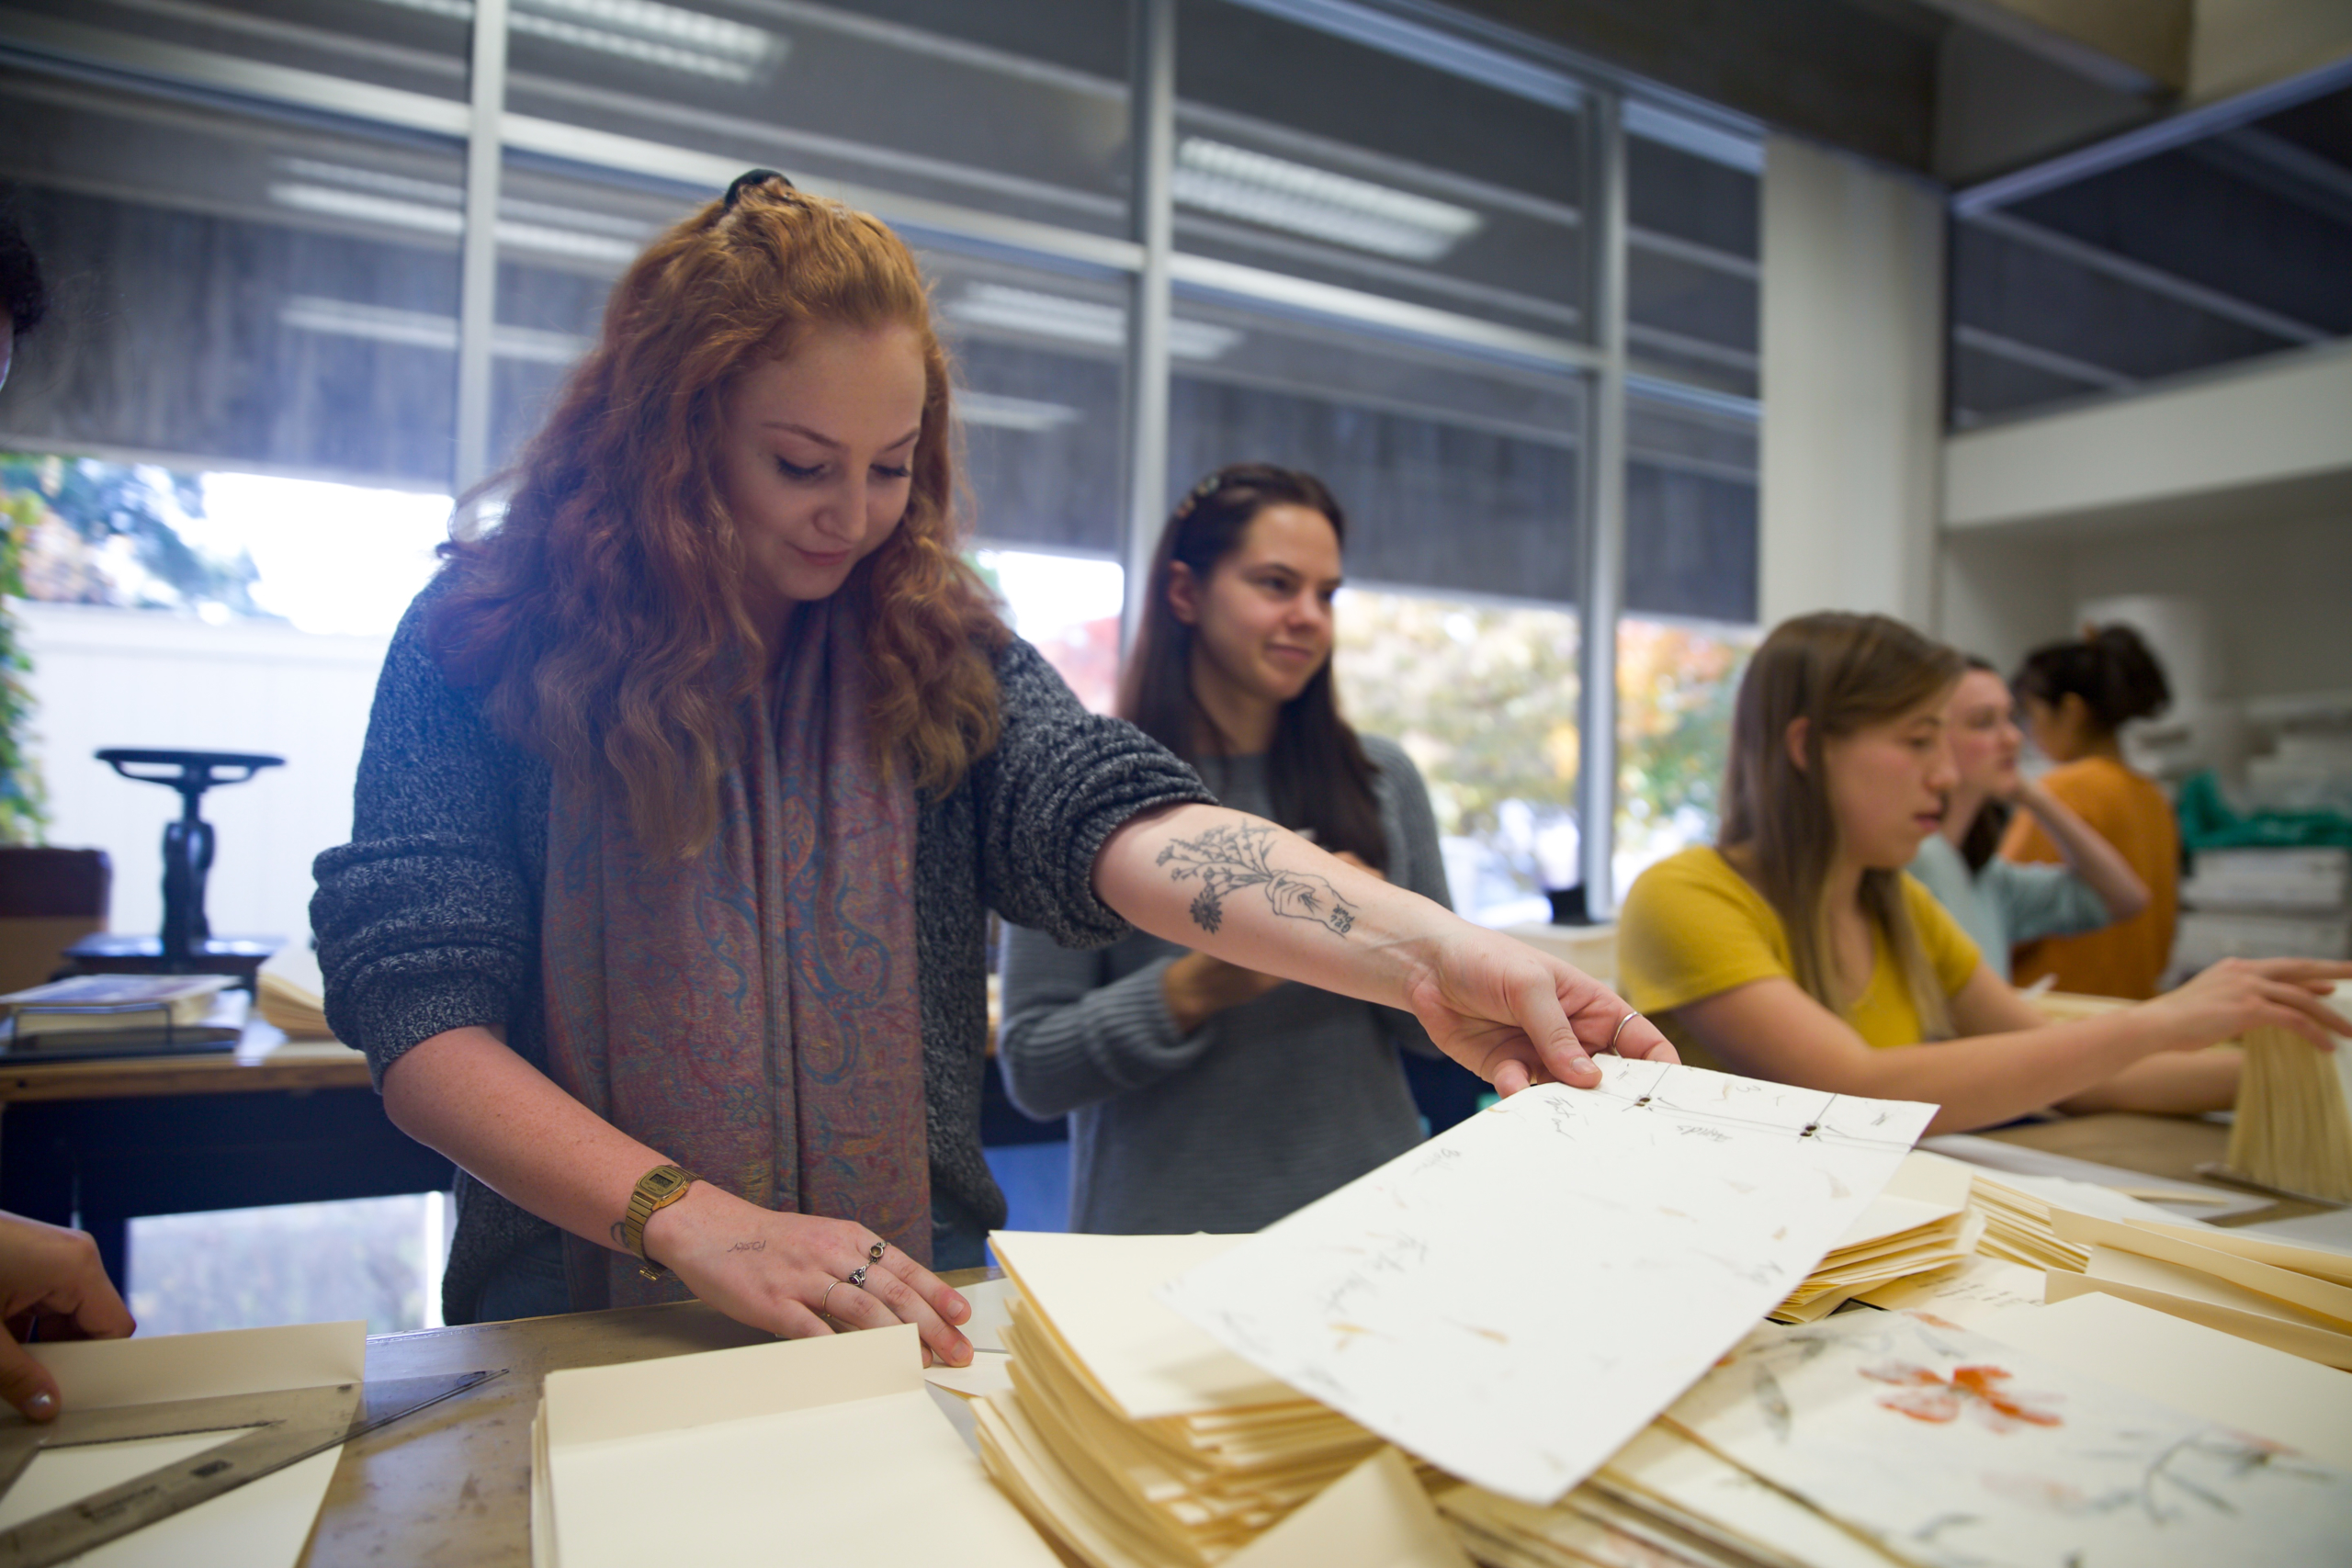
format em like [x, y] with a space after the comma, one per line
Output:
[688, 789]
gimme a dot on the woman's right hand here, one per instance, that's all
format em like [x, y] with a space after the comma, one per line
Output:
[2239, 994]
[774, 1271]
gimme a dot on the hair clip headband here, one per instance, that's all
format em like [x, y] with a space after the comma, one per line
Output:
[1199, 493]
[750, 177]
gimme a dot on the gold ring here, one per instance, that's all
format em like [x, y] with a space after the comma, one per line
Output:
[874, 1254]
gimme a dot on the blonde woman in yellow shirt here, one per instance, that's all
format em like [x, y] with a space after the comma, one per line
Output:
[1798, 949]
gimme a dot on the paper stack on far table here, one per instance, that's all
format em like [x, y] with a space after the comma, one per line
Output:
[1920, 1224]
[1130, 1436]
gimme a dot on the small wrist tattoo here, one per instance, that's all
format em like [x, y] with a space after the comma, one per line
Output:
[760, 1246]
[1226, 860]
[620, 1235]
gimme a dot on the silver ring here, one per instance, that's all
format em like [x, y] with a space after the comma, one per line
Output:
[1620, 1030]
[874, 1254]
[827, 1296]
[857, 1275]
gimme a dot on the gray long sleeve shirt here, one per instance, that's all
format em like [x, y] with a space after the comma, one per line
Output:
[1263, 1107]
[428, 920]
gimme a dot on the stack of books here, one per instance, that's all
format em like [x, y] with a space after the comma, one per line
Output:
[89, 1015]
[1921, 1223]
[294, 1010]
[1130, 1438]
[2293, 1128]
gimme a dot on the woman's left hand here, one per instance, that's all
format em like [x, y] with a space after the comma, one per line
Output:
[1517, 1017]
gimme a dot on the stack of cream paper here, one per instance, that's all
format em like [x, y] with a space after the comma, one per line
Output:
[1514, 1300]
[2293, 1128]
[264, 1522]
[1920, 1224]
[2296, 1299]
[807, 1450]
[1942, 1447]
[2017, 1209]
[1129, 1435]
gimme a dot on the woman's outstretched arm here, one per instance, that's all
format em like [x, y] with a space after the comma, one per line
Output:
[1244, 890]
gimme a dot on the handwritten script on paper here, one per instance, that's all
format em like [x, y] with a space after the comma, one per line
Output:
[1515, 1299]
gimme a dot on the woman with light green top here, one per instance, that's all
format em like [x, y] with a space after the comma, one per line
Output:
[2002, 902]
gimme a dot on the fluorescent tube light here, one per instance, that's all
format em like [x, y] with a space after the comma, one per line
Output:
[671, 36]
[435, 207]
[422, 329]
[1235, 182]
[1030, 415]
[1089, 322]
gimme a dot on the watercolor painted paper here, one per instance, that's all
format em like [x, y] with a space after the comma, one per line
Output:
[1512, 1300]
[1953, 1450]
[265, 1522]
[2249, 1387]
[842, 1426]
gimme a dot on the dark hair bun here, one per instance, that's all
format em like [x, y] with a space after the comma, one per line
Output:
[2110, 668]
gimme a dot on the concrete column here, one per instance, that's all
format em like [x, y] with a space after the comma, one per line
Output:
[1853, 337]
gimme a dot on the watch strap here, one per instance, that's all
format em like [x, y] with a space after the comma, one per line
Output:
[655, 1190]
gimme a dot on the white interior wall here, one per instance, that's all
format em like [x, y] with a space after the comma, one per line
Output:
[1853, 377]
[135, 677]
[2278, 594]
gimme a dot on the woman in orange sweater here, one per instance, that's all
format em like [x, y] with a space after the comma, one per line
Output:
[2077, 695]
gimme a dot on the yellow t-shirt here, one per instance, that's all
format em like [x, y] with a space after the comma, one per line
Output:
[1693, 927]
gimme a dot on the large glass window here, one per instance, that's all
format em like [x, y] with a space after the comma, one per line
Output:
[1349, 161]
[232, 288]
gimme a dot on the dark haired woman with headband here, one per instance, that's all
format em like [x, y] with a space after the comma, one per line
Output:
[1183, 1072]
[687, 791]
[2077, 695]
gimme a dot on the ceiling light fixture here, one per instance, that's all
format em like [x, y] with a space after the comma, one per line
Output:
[1089, 322]
[421, 329]
[1235, 182]
[1031, 416]
[435, 207]
[672, 37]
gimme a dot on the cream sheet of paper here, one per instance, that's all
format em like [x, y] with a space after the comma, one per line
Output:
[2249, 1388]
[811, 1450]
[1957, 1451]
[985, 1328]
[1377, 1515]
[2266, 1243]
[1965, 1294]
[262, 1523]
[2201, 1298]
[2196, 1201]
[2172, 1244]
[1095, 1293]
[1515, 1298]
[1663, 1463]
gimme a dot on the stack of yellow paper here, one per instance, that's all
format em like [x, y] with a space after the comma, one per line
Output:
[2296, 1299]
[1130, 1436]
[1920, 1222]
[2017, 1209]
[299, 1012]
[2293, 1128]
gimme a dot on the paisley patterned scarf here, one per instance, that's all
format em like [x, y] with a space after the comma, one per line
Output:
[752, 1010]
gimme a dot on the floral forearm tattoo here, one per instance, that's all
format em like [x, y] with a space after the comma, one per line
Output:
[1226, 860]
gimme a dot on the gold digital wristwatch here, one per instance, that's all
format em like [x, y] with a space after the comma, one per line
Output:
[656, 1189]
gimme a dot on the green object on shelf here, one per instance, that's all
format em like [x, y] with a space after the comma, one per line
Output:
[2206, 822]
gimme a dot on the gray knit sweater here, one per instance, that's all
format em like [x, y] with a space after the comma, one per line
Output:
[1263, 1107]
[429, 919]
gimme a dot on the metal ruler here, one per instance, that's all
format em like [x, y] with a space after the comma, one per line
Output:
[287, 1426]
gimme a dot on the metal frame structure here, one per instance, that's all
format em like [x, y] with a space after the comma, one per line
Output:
[479, 128]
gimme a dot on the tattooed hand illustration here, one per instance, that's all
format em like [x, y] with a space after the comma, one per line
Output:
[1224, 860]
